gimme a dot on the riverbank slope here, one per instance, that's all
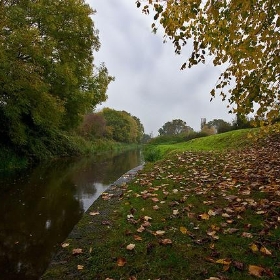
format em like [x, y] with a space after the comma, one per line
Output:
[192, 215]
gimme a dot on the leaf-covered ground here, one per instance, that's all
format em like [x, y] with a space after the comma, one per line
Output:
[193, 215]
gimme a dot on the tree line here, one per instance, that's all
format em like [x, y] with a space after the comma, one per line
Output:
[177, 130]
[111, 124]
[49, 83]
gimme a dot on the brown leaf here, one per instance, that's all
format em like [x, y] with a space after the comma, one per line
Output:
[137, 237]
[64, 245]
[256, 270]
[140, 229]
[166, 241]
[121, 261]
[80, 267]
[238, 265]
[77, 251]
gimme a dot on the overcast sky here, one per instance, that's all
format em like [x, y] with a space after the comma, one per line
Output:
[148, 81]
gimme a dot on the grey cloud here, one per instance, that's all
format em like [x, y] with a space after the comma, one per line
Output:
[149, 83]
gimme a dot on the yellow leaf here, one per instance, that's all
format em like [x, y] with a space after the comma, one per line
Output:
[80, 267]
[64, 245]
[254, 248]
[256, 270]
[204, 216]
[265, 251]
[183, 230]
[224, 261]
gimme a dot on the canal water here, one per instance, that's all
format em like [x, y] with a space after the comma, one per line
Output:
[40, 206]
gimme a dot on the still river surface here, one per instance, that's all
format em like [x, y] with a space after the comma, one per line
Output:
[40, 206]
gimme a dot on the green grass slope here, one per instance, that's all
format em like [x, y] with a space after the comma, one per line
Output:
[208, 210]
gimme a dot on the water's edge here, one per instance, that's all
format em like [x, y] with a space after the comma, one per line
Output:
[87, 232]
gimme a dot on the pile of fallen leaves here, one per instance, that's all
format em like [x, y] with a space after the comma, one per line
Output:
[196, 215]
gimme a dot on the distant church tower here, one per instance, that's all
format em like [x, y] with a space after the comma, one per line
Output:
[203, 122]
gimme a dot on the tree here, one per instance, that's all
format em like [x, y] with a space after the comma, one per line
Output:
[93, 126]
[242, 35]
[47, 77]
[220, 125]
[174, 127]
[121, 126]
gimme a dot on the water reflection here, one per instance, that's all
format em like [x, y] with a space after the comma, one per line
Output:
[39, 208]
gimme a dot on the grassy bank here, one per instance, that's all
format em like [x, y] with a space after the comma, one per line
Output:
[199, 213]
[229, 140]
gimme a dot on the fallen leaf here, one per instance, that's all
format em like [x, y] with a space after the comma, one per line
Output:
[166, 241]
[77, 251]
[80, 267]
[183, 230]
[204, 216]
[224, 261]
[159, 232]
[265, 251]
[121, 261]
[175, 212]
[64, 245]
[137, 237]
[256, 270]
[254, 248]
[130, 247]
[94, 213]
[212, 213]
[247, 235]
[140, 229]
[238, 265]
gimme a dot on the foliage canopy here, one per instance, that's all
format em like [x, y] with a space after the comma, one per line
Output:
[174, 127]
[47, 77]
[243, 35]
[122, 126]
